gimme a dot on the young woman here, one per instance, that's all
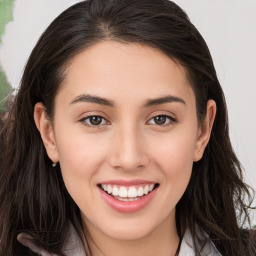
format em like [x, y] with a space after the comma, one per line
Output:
[117, 142]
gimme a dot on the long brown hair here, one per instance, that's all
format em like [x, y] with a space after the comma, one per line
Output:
[33, 197]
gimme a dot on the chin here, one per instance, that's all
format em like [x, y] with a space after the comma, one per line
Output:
[132, 233]
[132, 228]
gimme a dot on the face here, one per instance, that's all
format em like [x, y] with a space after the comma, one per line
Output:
[126, 134]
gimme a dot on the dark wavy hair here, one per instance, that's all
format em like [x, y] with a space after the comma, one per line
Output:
[33, 198]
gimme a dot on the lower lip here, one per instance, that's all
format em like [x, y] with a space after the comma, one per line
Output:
[130, 206]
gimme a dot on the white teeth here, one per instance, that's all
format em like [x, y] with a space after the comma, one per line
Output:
[132, 192]
[146, 190]
[126, 199]
[129, 193]
[123, 192]
[109, 189]
[140, 191]
[115, 191]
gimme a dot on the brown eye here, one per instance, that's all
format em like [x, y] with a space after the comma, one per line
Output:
[159, 120]
[162, 120]
[94, 121]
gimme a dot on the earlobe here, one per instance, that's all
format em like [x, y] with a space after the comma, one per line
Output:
[204, 131]
[44, 126]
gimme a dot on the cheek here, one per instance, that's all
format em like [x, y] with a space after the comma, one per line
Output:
[80, 158]
[175, 159]
[78, 150]
[176, 151]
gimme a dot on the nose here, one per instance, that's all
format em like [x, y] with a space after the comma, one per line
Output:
[128, 151]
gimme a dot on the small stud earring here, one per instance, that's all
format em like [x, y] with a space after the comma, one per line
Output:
[54, 164]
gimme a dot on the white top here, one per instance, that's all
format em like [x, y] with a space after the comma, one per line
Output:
[187, 247]
[74, 247]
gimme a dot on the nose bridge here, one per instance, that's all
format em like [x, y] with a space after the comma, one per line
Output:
[128, 152]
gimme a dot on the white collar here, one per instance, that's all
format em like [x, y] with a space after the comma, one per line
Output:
[187, 247]
[74, 247]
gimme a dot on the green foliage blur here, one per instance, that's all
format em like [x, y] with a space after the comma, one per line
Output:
[4, 91]
[5, 17]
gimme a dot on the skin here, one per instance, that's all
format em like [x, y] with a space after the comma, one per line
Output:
[128, 144]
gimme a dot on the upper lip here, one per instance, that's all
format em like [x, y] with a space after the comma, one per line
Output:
[122, 182]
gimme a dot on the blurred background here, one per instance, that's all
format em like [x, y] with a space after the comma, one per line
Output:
[228, 26]
[5, 88]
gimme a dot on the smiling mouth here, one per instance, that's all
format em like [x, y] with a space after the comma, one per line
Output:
[128, 193]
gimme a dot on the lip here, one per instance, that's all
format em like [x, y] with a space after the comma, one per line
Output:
[130, 206]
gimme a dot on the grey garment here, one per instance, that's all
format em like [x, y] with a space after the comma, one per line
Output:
[74, 246]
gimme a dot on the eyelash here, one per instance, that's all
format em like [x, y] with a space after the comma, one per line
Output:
[171, 119]
[83, 120]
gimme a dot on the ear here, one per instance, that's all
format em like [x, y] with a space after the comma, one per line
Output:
[45, 127]
[204, 131]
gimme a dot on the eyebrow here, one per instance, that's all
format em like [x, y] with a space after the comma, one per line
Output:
[93, 99]
[110, 103]
[163, 100]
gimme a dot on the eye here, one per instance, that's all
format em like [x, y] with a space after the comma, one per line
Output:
[94, 120]
[162, 120]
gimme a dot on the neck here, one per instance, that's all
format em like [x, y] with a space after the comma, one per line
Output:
[162, 241]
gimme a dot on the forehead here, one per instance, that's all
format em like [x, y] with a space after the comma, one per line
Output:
[130, 70]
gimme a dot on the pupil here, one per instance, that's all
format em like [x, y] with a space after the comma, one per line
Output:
[160, 119]
[95, 120]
